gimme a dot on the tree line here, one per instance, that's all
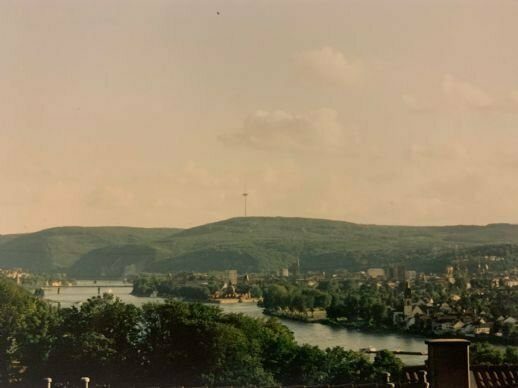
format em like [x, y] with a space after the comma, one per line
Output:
[187, 287]
[171, 343]
[343, 299]
[372, 303]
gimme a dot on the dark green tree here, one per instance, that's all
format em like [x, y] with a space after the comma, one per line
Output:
[386, 361]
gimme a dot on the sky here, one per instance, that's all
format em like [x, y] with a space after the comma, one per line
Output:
[162, 113]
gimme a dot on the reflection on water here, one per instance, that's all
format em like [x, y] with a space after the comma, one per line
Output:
[309, 333]
[325, 336]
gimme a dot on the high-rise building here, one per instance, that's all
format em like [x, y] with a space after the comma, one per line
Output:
[376, 273]
[449, 271]
[407, 301]
[232, 276]
[396, 272]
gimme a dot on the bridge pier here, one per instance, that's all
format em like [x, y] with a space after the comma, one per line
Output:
[98, 290]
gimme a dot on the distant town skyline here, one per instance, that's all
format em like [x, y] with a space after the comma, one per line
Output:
[157, 113]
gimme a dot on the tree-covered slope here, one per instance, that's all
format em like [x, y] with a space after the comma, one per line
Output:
[260, 243]
[251, 244]
[356, 236]
[114, 261]
[59, 248]
[7, 237]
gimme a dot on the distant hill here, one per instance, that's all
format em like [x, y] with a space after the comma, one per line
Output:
[269, 243]
[7, 237]
[57, 249]
[251, 244]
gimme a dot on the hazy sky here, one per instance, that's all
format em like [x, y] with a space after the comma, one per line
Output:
[158, 113]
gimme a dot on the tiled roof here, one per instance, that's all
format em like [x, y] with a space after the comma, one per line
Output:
[496, 376]
[414, 377]
[484, 376]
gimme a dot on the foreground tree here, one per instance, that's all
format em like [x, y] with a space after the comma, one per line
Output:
[24, 325]
[386, 361]
[98, 339]
[171, 343]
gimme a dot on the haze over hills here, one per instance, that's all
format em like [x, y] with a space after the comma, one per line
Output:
[251, 244]
[58, 248]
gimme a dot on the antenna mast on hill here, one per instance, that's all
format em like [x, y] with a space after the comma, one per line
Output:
[245, 195]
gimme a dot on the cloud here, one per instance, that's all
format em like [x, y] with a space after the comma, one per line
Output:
[288, 131]
[453, 151]
[332, 65]
[465, 93]
[109, 196]
[413, 104]
[194, 174]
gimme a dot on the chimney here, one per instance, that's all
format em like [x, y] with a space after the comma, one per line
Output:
[448, 363]
[85, 380]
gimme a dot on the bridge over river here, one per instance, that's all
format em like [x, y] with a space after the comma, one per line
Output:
[104, 287]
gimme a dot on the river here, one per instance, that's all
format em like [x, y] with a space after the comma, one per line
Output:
[305, 333]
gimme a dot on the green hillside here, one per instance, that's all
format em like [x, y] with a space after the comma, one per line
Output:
[7, 237]
[114, 261]
[269, 243]
[59, 248]
[252, 244]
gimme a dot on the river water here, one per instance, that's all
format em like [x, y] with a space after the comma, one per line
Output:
[305, 333]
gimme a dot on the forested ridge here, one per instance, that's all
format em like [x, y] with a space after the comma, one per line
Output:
[251, 244]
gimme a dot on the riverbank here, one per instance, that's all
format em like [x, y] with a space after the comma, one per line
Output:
[315, 317]
[231, 300]
[323, 336]
[362, 327]
[353, 326]
[218, 301]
